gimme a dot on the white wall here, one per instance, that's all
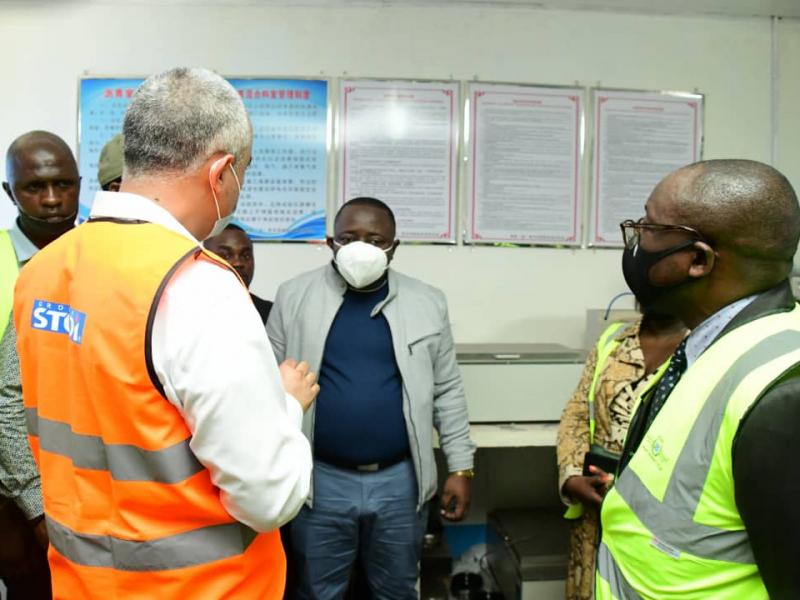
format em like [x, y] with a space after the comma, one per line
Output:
[495, 294]
[788, 97]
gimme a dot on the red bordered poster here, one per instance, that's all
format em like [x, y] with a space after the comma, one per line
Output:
[398, 142]
[524, 150]
[639, 137]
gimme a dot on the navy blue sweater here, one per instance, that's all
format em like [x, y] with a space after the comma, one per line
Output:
[359, 411]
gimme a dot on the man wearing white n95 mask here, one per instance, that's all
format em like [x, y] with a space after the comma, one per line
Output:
[170, 437]
[382, 344]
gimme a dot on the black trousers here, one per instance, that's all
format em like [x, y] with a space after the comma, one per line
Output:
[23, 562]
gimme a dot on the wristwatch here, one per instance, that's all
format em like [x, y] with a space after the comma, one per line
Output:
[468, 473]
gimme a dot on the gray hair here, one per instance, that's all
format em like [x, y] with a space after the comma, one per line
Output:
[179, 118]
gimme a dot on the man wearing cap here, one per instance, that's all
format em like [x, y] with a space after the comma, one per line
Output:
[109, 167]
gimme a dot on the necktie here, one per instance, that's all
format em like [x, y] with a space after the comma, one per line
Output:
[667, 383]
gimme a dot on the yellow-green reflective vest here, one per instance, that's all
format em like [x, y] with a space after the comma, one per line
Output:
[670, 525]
[606, 344]
[8, 277]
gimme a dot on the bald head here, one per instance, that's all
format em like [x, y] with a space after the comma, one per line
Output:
[743, 206]
[43, 183]
[33, 145]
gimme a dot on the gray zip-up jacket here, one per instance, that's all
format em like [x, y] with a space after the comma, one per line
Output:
[433, 393]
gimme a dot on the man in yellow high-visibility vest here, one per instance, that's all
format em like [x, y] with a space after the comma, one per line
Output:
[43, 184]
[702, 506]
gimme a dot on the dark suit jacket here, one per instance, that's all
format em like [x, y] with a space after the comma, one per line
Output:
[262, 306]
[766, 467]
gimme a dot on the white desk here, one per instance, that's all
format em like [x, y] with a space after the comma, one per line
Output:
[511, 435]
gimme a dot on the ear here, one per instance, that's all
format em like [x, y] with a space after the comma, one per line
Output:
[329, 243]
[7, 189]
[703, 261]
[390, 253]
[218, 169]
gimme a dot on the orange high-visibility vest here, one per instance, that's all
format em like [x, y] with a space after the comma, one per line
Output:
[130, 511]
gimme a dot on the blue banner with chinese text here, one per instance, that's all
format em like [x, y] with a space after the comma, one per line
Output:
[284, 195]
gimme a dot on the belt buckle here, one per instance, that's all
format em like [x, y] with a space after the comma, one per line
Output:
[371, 468]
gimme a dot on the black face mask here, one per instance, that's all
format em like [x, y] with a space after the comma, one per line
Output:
[636, 265]
[44, 229]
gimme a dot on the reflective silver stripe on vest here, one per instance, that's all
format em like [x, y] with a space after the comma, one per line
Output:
[196, 547]
[672, 521]
[125, 462]
[607, 569]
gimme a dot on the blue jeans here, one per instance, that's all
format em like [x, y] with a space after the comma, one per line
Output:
[369, 516]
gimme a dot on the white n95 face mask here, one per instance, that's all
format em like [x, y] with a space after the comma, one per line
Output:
[222, 222]
[360, 263]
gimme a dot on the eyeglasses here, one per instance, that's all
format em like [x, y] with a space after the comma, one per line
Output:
[632, 231]
[380, 243]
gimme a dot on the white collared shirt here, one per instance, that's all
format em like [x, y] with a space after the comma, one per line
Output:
[24, 248]
[212, 355]
[706, 332]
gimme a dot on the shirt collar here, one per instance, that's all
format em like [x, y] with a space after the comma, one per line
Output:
[122, 205]
[704, 334]
[24, 248]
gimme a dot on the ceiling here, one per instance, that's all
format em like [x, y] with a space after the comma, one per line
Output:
[781, 8]
[733, 8]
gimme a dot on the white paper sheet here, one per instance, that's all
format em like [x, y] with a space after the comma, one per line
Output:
[525, 152]
[639, 137]
[398, 142]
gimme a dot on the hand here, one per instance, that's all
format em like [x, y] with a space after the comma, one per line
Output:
[588, 490]
[299, 382]
[455, 497]
[608, 478]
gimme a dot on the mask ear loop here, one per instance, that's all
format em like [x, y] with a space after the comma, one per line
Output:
[667, 251]
[657, 256]
[211, 183]
[235, 177]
